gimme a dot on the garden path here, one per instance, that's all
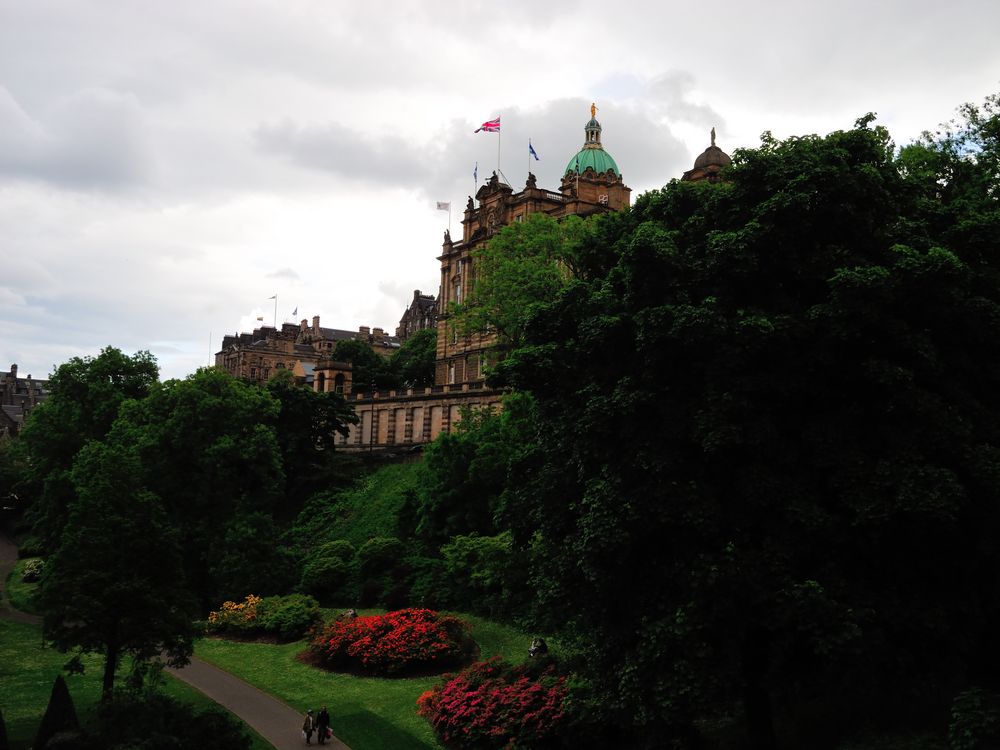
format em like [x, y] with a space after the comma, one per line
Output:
[8, 559]
[277, 722]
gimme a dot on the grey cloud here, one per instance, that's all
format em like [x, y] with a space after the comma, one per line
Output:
[647, 152]
[95, 138]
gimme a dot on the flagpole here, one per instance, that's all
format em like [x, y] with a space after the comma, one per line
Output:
[498, 150]
[276, 311]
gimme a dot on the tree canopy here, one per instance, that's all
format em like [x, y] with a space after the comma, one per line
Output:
[765, 465]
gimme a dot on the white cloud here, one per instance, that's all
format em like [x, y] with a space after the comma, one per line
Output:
[164, 169]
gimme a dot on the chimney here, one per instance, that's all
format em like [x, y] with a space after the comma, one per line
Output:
[364, 330]
[303, 325]
[13, 371]
[316, 325]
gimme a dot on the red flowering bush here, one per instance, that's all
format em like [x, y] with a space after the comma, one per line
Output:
[492, 704]
[407, 640]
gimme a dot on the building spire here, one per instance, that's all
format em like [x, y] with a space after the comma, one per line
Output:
[713, 135]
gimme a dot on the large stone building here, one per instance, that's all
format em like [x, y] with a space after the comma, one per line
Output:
[421, 313]
[18, 396]
[591, 183]
[257, 356]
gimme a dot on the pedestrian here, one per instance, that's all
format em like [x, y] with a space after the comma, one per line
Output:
[323, 725]
[308, 727]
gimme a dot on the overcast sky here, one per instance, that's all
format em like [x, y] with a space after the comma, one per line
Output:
[167, 167]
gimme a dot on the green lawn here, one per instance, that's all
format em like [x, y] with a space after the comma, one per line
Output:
[367, 713]
[27, 672]
[20, 593]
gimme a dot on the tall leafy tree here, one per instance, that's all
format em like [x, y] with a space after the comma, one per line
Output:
[84, 397]
[306, 427]
[115, 584]
[766, 464]
[521, 268]
[369, 367]
[207, 447]
[413, 362]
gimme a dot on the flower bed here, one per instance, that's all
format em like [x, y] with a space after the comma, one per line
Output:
[284, 618]
[492, 704]
[401, 642]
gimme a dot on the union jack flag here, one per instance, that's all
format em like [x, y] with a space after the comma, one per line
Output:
[490, 126]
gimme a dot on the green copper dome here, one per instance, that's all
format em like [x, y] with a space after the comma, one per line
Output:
[597, 158]
[592, 155]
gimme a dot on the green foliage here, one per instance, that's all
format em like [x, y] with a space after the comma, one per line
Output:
[115, 584]
[379, 554]
[307, 424]
[289, 617]
[159, 722]
[83, 402]
[368, 509]
[285, 618]
[31, 570]
[765, 452]
[368, 366]
[413, 362]
[478, 570]
[975, 721]
[329, 579]
[207, 447]
[250, 558]
[339, 548]
[60, 715]
[463, 474]
[524, 265]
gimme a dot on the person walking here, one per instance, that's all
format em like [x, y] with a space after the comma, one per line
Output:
[309, 726]
[323, 725]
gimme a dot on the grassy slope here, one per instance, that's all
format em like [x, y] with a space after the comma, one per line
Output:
[367, 510]
[367, 713]
[18, 592]
[27, 672]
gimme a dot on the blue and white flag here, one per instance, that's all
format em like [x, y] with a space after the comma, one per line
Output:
[475, 173]
[531, 150]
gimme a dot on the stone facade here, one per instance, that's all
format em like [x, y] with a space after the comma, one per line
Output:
[709, 164]
[583, 191]
[258, 356]
[420, 314]
[18, 396]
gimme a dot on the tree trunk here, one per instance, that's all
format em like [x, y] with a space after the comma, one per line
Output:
[756, 699]
[110, 667]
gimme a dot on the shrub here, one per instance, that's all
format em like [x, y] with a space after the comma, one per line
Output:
[405, 641]
[328, 578]
[289, 617]
[60, 715]
[492, 704]
[286, 618]
[158, 721]
[975, 720]
[32, 570]
[379, 555]
[338, 548]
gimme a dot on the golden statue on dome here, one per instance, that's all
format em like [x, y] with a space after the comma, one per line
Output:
[593, 111]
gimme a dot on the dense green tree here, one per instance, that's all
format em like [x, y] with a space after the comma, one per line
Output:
[766, 467]
[464, 473]
[84, 397]
[521, 268]
[208, 449]
[413, 362]
[369, 367]
[306, 427]
[115, 584]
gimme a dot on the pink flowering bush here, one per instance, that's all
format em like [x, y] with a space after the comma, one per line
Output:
[494, 705]
[405, 641]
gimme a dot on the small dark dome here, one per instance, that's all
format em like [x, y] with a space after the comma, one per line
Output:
[712, 156]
